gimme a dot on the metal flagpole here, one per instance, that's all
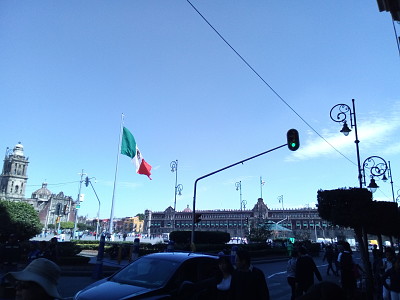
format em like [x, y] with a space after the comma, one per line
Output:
[115, 176]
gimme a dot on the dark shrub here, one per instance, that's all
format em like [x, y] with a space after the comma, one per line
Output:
[201, 237]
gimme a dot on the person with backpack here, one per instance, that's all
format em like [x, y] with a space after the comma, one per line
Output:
[347, 275]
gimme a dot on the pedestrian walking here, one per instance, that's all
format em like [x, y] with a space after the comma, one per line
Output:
[305, 271]
[347, 274]
[329, 256]
[387, 264]
[291, 273]
[335, 258]
[391, 280]
[224, 281]
[248, 282]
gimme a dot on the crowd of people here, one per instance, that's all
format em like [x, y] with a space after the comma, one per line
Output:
[240, 280]
[237, 278]
[301, 270]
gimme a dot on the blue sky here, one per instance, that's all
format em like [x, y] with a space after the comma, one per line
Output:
[69, 69]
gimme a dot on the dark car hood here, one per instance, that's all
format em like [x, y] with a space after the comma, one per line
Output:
[110, 290]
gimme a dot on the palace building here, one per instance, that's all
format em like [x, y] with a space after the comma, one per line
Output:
[302, 223]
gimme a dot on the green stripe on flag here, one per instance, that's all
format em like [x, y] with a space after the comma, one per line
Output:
[128, 143]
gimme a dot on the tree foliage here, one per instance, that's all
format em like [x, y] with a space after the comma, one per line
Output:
[344, 207]
[260, 232]
[355, 208]
[201, 237]
[18, 218]
[67, 225]
[140, 216]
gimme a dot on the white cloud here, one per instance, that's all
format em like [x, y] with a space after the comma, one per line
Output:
[375, 133]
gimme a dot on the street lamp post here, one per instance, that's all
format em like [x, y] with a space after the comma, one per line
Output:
[280, 200]
[341, 117]
[87, 181]
[244, 203]
[178, 187]
[238, 186]
[262, 182]
[339, 114]
[384, 179]
[77, 203]
[378, 168]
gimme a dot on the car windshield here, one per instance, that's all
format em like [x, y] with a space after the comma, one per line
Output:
[147, 272]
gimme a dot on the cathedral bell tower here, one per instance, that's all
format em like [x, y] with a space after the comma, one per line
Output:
[13, 177]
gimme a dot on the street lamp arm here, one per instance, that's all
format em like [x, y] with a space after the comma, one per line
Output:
[215, 172]
[341, 114]
[95, 192]
[98, 212]
[377, 166]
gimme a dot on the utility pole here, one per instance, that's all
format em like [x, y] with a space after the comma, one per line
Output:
[77, 203]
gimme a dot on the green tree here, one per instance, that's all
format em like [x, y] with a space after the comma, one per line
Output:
[260, 232]
[19, 218]
[67, 225]
[81, 226]
[141, 217]
[91, 227]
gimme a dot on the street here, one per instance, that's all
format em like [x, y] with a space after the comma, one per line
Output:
[275, 273]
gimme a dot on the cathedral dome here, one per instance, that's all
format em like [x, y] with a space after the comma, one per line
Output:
[187, 209]
[18, 149]
[43, 193]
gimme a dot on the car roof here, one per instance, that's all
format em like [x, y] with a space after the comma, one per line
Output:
[179, 256]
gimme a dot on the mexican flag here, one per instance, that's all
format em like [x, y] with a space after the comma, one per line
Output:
[129, 148]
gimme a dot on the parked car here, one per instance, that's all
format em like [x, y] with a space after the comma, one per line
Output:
[168, 275]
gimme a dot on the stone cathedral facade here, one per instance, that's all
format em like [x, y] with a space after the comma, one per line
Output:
[13, 176]
[51, 208]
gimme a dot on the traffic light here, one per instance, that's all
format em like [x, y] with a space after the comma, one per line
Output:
[87, 181]
[65, 209]
[247, 221]
[197, 218]
[293, 141]
[58, 209]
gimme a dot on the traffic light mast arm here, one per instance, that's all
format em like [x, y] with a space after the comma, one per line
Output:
[215, 172]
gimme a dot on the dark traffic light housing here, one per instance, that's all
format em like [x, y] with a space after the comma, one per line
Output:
[293, 141]
[87, 181]
[65, 209]
[197, 218]
[58, 209]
